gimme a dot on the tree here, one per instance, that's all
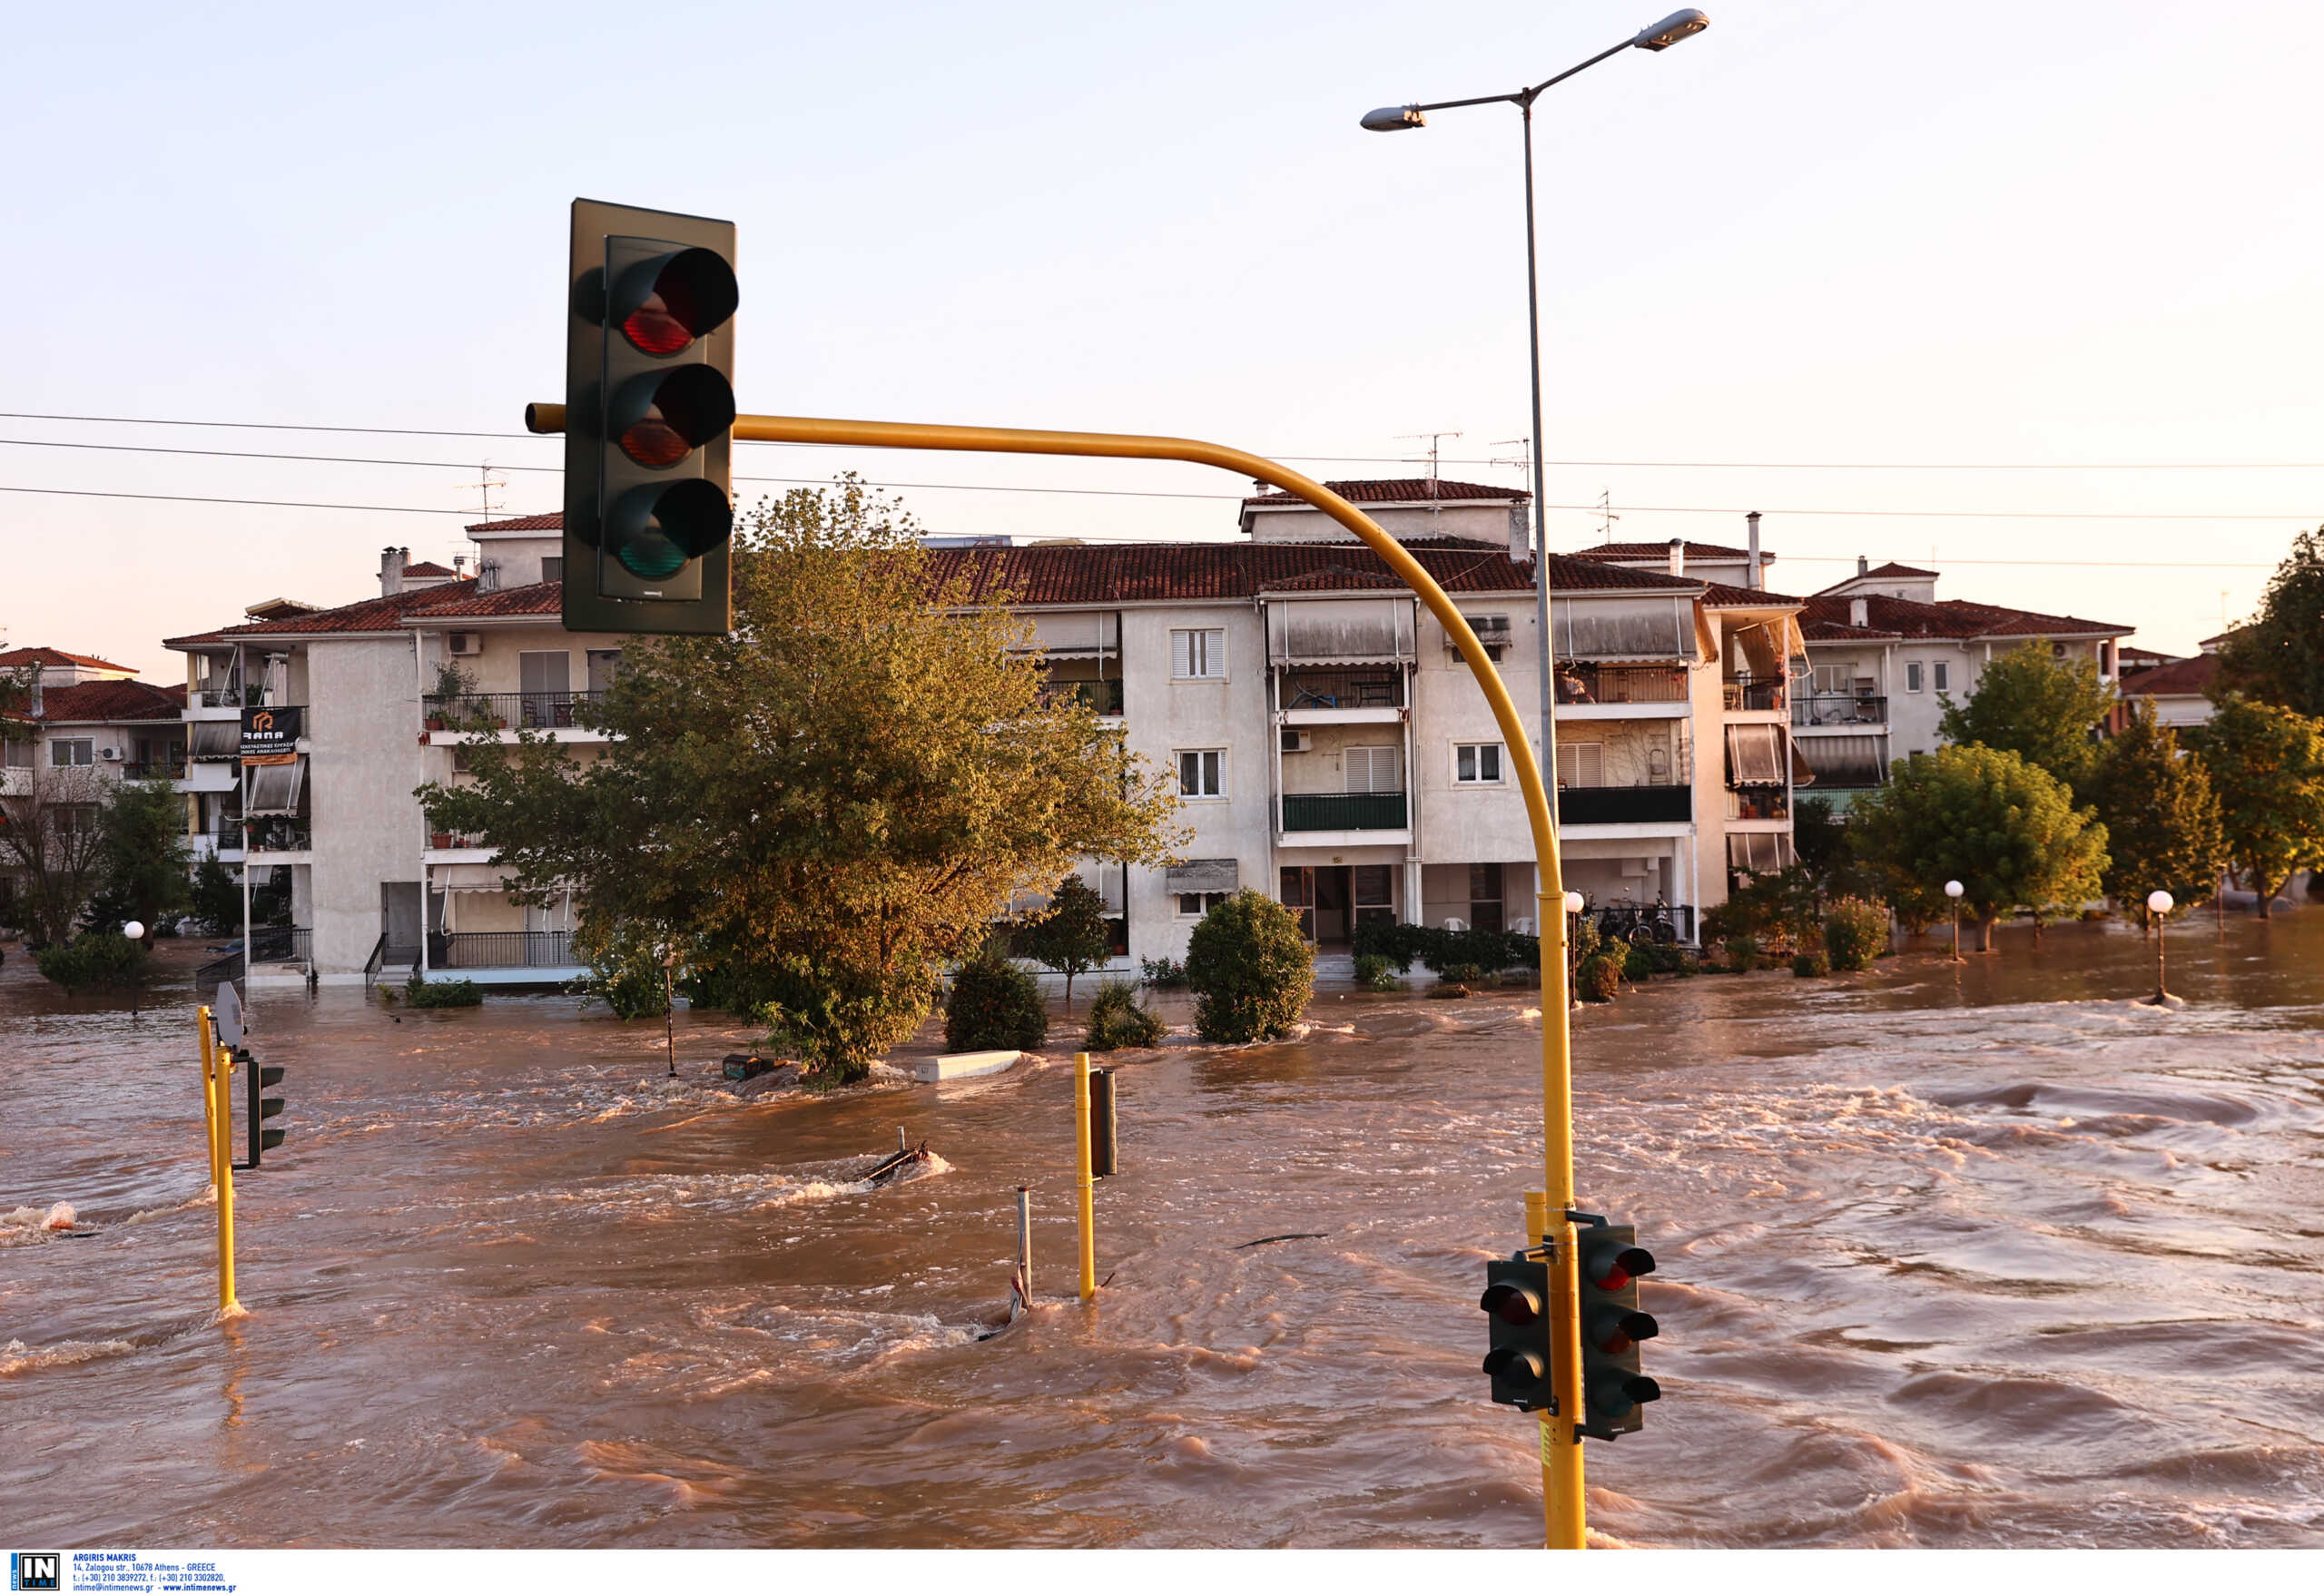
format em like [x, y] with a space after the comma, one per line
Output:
[2031, 705]
[1251, 971]
[2266, 765]
[1073, 936]
[2003, 827]
[832, 802]
[216, 899]
[2163, 823]
[2278, 656]
[143, 863]
[50, 836]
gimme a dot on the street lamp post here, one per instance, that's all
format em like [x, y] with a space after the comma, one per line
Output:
[670, 1011]
[1953, 889]
[1573, 906]
[2158, 906]
[1677, 25]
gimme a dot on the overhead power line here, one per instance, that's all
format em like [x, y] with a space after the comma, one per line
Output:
[1324, 459]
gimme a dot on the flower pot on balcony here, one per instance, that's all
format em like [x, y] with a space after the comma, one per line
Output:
[435, 723]
[439, 839]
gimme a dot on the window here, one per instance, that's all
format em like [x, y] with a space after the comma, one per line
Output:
[1582, 765]
[1193, 905]
[17, 755]
[1941, 676]
[1202, 773]
[1199, 654]
[66, 751]
[1484, 897]
[1374, 770]
[1375, 892]
[603, 663]
[1476, 763]
[1912, 676]
[76, 819]
[552, 567]
[460, 765]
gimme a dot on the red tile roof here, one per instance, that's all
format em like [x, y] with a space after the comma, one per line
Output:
[428, 569]
[2180, 679]
[1825, 619]
[40, 656]
[1727, 595]
[552, 522]
[1656, 551]
[1893, 569]
[1161, 572]
[1399, 490]
[370, 614]
[105, 702]
[535, 598]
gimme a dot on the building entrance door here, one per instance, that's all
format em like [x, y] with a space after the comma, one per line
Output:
[1334, 921]
[399, 919]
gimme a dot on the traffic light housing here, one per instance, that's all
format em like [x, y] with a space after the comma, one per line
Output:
[264, 1137]
[1614, 1392]
[649, 421]
[1516, 1302]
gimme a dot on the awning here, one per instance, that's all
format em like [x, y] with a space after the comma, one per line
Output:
[465, 878]
[1803, 775]
[1204, 875]
[1760, 853]
[1754, 757]
[274, 788]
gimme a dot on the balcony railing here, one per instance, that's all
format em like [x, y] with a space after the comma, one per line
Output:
[1105, 698]
[230, 695]
[1344, 812]
[281, 944]
[1753, 693]
[1839, 709]
[281, 834]
[1614, 806]
[1757, 803]
[500, 950]
[1613, 684]
[1357, 689]
[491, 711]
[148, 770]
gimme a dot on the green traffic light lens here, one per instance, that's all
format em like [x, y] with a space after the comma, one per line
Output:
[653, 530]
[651, 555]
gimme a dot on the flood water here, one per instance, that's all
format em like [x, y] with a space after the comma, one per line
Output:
[1950, 1256]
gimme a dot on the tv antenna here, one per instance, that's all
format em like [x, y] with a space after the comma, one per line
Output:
[485, 483]
[1435, 442]
[1606, 516]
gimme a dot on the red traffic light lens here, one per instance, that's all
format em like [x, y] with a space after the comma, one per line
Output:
[1610, 1269]
[1615, 1334]
[1512, 1305]
[664, 304]
[661, 417]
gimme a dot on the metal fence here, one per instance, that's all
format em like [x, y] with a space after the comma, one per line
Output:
[492, 712]
[1347, 689]
[1613, 684]
[281, 944]
[500, 950]
[1753, 693]
[1839, 709]
[1609, 806]
[1344, 812]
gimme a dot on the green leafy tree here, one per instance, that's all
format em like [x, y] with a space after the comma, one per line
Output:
[2162, 822]
[2003, 827]
[994, 1004]
[830, 804]
[2278, 656]
[2267, 767]
[2029, 703]
[144, 866]
[1072, 936]
[1251, 971]
[216, 898]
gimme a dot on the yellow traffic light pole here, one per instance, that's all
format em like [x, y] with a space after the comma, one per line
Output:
[1561, 1482]
[218, 1108]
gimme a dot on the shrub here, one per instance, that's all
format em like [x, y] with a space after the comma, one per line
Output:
[1375, 973]
[1810, 964]
[1116, 1020]
[1585, 937]
[422, 993]
[1638, 964]
[994, 1004]
[92, 958]
[1663, 957]
[1250, 969]
[1163, 974]
[1855, 932]
[1598, 980]
[1461, 974]
[1743, 953]
[1688, 964]
[1437, 948]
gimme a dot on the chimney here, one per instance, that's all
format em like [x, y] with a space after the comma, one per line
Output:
[1863, 567]
[1859, 612]
[391, 564]
[1751, 564]
[1678, 557]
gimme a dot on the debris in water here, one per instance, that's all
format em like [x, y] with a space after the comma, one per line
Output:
[1286, 1236]
[895, 1164]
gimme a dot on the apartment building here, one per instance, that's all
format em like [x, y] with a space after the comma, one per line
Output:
[2179, 689]
[362, 704]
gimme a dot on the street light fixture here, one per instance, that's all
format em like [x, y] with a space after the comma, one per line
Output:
[1953, 889]
[2157, 905]
[1661, 35]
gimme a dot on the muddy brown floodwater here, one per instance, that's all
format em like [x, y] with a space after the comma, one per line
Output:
[1981, 1256]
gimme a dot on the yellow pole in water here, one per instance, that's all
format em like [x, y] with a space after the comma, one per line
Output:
[217, 1070]
[1087, 1183]
[1561, 1443]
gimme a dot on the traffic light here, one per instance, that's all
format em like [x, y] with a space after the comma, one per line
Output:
[649, 419]
[263, 1136]
[1517, 1302]
[1613, 1391]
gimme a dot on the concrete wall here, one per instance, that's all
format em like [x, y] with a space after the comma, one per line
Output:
[362, 724]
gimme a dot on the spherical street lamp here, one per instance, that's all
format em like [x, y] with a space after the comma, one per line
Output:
[1574, 902]
[134, 931]
[2157, 905]
[1954, 889]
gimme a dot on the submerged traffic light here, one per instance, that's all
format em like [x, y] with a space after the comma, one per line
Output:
[1613, 1391]
[649, 419]
[1517, 1303]
[262, 1108]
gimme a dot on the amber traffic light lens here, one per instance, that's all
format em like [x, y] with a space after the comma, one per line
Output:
[663, 417]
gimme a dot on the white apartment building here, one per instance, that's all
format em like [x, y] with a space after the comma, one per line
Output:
[2179, 689]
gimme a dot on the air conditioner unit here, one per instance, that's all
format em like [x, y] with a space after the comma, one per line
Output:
[1492, 631]
[1295, 742]
[464, 643]
[112, 753]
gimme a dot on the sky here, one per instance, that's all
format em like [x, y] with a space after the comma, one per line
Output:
[1816, 242]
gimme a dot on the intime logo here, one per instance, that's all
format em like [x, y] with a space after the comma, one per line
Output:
[36, 1571]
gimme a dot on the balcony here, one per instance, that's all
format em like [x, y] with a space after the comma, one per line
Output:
[281, 944]
[493, 712]
[1344, 812]
[1618, 807]
[281, 834]
[1618, 684]
[1750, 692]
[1757, 803]
[1846, 710]
[1103, 696]
[153, 770]
[1340, 689]
[542, 950]
[228, 695]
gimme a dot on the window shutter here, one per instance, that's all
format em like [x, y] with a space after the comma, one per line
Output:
[1582, 765]
[1182, 651]
[1754, 756]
